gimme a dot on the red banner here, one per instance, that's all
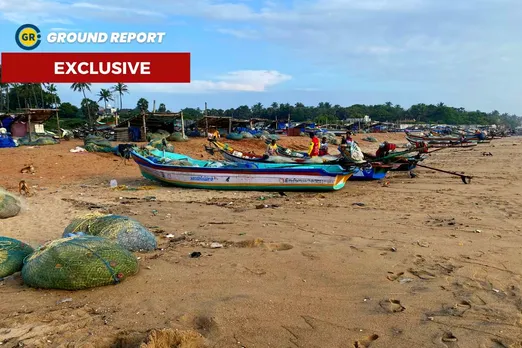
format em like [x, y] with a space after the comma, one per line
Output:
[95, 67]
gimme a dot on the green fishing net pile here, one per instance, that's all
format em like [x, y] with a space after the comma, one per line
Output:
[78, 263]
[12, 254]
[246, 135]
[158, 135]
[125, 231]
[158, 144]
[178, 137]
[234, 136]
[37, 140]
[9, 205]
[93, 143]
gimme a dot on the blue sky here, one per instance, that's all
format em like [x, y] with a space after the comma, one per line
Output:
[463, 53]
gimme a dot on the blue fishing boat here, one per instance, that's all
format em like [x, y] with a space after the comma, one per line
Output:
[183, 171]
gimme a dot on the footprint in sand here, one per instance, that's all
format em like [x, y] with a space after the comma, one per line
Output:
[449, 340]
[365, 342]
[462, 307]
[392, 306]
[422, 274]
[310, 254]
[394, 276]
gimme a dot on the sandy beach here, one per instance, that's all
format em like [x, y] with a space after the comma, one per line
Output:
[423, 262]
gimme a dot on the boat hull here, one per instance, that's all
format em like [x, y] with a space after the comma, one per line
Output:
[276, 179]
[373, 173]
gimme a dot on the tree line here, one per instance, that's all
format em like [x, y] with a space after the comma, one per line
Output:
[17, 96]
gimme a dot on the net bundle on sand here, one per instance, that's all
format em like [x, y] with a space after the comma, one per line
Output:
[160, 134]
[97, 144]
[9, 205]
[178, 137]
[41, 140]
[12, 255]
[77, 263]
[125, 231]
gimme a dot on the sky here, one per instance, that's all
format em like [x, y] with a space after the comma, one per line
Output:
[462, 53]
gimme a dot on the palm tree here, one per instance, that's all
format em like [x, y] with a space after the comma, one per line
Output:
[82, 87]
[120, 88]
[143, 105]
[105, 95]
[51, 88]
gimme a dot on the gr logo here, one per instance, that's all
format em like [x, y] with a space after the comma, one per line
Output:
[28, 37]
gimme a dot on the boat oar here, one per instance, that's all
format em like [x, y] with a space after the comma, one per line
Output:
[462, 176]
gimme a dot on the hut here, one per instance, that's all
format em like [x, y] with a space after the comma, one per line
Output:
[30, 121]
[136, 128]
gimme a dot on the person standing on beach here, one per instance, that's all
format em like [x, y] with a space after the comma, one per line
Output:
[313, 149]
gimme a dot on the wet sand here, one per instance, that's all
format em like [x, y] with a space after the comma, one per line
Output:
[424, 262]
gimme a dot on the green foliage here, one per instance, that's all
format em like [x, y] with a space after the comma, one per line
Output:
[191, 113]
[67, 110]
[82, 87]
[90, 108]
[325, 113]
[105, 95]
[15, 96]
[162, 108]
[143, 105]
[120, 89]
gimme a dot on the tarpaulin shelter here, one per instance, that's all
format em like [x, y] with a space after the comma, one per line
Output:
[30, 121]
[150, 121]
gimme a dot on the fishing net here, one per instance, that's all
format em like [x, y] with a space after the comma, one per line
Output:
[97, 144]
[331, 138]
[161, 144]
[177, 136]
[37, 140]
[247, 135]
[160, 134]
[78, 263]
[9, 205]
[127, 232]
[12, 254]
[370, 139]
[234, 136]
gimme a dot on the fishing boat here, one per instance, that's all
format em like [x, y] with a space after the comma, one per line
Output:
[234, 155]
[437, 143]
[399, 161]
[364, 171]
[183, 171]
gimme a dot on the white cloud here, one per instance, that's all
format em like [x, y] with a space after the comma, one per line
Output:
[237, 81]
[241, 34]
[62, 12]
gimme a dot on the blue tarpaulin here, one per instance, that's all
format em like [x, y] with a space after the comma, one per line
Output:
[6, 141]
[135, 133]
